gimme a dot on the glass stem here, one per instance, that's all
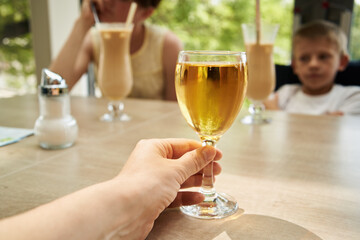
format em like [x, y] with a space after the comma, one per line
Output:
[207, 186]
[256, 109]
[116, 108]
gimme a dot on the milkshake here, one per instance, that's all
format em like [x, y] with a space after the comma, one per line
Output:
[115, 75]
[261, 71]
[259, 44]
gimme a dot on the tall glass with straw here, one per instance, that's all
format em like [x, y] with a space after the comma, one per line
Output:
[115, 74]
[259, 41]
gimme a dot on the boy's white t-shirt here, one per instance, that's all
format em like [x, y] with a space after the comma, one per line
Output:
[341, 98]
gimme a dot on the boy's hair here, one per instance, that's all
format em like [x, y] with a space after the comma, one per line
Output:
[148, 3]
[319, 29]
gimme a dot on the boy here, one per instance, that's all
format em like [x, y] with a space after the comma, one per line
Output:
[319, 52]
[153, 50]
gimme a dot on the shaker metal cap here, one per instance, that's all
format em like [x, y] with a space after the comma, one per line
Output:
[52, 84]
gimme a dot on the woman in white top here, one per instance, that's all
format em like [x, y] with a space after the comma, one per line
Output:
[319, 52]
[153, 50]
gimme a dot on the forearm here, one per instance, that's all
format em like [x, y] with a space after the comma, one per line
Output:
[65, 63]
[126, 206]
[92, 213]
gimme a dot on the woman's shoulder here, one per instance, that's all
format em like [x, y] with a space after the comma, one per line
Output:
[170, 38]
[155, 29]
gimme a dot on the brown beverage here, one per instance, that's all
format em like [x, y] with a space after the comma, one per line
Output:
[115, 75]
[261, 71]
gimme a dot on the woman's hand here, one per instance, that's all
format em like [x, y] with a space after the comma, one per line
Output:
[166, 165]
[158, 169]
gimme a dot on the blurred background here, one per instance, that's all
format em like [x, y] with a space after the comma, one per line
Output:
[33, 31]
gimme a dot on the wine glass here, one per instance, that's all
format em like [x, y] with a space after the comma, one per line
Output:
[261, 69]
[210, 89]
[115, 74]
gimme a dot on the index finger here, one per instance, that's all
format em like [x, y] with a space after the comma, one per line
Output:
[176, 147]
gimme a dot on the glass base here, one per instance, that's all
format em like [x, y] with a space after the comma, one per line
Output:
[108, 117]
[55, 147]
[256, 117]
[221, 206]
[250, 120]
[116, 113]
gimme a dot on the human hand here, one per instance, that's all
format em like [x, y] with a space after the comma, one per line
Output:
[126, 206]
[104, 9]
[173, 164]
[156, 170]
[86, 12]
[107, 10]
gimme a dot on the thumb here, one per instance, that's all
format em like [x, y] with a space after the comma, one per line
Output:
[194, 161]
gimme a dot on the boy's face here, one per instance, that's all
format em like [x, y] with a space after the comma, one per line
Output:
[316, 62]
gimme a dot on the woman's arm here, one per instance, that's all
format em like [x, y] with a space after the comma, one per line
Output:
[74, 57]
[72, 61]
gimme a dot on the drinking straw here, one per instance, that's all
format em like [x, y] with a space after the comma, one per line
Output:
[131, 14]
[93, 10]
[257, 20]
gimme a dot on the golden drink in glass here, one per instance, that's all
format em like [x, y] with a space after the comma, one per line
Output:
[210, 88]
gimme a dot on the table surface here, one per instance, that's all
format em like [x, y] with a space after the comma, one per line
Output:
[296, 178]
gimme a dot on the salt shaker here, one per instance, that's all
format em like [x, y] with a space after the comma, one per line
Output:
[55, 128]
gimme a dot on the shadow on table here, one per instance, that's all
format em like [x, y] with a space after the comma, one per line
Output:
[173, 225]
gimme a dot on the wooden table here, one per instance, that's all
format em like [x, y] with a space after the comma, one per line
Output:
[296, 178]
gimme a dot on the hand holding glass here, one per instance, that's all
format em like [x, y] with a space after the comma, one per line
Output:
[210, 88]
[115, 73]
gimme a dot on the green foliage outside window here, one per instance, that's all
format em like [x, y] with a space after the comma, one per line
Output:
[216, 25]
[355, 33]
[16, 55]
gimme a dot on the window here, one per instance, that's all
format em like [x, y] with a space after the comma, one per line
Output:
[17, 65]
[355, 32]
